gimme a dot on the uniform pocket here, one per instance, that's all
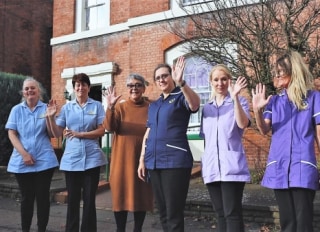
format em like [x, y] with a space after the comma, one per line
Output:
[234, 163]
[271, 169]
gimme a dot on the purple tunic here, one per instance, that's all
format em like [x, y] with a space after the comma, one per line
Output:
[291, 161]
[223, 158]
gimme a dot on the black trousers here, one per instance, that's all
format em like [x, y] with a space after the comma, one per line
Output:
[296, 209]
[170, 187]
[35, 186]
[226, 198]
[85, 184]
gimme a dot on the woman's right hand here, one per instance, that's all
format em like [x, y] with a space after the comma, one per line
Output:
[111, 96]
[28, 159]
[142, 171]
[259, 100]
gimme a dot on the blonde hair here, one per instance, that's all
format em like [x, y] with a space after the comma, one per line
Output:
[222, 68]
[301, 78]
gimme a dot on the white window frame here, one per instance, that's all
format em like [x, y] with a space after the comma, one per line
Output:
[81, 15]
[190, 2]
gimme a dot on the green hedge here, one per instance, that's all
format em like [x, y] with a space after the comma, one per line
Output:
[10, 87]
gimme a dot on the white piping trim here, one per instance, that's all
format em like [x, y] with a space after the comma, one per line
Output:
[168, 145]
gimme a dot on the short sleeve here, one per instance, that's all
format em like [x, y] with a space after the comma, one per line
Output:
[316, 107]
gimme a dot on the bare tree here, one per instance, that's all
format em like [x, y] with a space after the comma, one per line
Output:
[245, 33]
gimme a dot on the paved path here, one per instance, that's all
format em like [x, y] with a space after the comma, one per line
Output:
[10, 218]
[10, 209]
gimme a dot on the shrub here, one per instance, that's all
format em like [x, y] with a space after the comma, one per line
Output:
[10, 87]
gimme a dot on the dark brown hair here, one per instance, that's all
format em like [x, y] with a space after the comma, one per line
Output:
[161, 66]
[82, 78]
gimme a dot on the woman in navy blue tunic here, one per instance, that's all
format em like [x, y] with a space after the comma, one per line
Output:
[167, 156]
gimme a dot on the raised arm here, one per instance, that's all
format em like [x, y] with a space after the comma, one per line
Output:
[192, 97]
[110, 123]
[55, 130]
[259, 101]
[234, 89]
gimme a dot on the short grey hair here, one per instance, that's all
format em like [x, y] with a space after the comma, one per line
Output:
[42, 91]
[137, 77]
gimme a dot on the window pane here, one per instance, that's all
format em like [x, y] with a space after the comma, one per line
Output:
[94, 2]
[196, 75]
[95, 14]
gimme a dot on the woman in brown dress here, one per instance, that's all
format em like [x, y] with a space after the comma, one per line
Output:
[127, 120]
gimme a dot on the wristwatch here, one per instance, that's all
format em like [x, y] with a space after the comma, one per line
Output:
[183, 83]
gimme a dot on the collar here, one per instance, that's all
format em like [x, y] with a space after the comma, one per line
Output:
[39, 103]
[226, 99]
[74, 101]
[283, 92]
[175, 91]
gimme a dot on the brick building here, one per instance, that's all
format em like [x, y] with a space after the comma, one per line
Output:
[110, 39]
[25, 38]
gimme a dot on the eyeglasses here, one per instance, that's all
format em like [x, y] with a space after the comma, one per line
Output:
[136, 86]
[162, 77]
[279, 74]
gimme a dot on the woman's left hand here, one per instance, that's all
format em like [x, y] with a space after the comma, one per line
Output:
[71, 134]
[235, 88]
[178, 68]
[51, 108]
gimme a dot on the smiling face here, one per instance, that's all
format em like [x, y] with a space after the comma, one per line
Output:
[164, 80]
[31, 91]
[135, 89]
[281, 78]
[219, 80]
[81, 89]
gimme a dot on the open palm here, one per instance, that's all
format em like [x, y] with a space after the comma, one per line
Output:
[51, 108]
[235, 88]
[111, 96]
[178, 70]
[259, 99]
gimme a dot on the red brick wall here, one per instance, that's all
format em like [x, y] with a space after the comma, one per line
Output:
[63, 17]
[256, 147]
[121, 11]
[145, 7]
[25, 39]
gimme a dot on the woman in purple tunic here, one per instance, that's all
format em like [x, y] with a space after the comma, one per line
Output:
[224, 165]
[293, 115]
